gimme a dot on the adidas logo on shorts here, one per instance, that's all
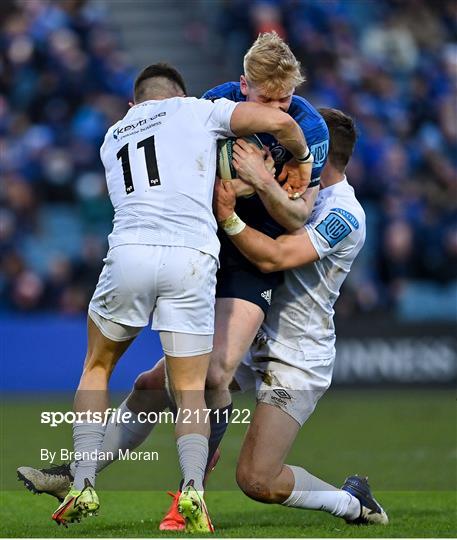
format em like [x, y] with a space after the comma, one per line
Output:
[266, 295]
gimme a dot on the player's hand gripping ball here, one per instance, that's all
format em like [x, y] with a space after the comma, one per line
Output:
[225, 168]
[295, 178]
[224, 199]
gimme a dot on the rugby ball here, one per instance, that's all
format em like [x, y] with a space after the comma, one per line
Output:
[225, 168]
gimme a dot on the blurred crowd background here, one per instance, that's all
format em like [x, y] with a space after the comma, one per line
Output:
[66, 75]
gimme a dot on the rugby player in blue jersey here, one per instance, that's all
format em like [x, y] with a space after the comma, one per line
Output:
[243, 293]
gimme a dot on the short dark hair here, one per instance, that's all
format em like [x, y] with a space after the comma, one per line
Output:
[161, 69]
[343, 135]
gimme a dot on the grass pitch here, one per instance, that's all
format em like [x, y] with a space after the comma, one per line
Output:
[405, 440]
[137, 514]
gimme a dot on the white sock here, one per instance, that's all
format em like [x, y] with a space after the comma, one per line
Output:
[312, 493]
[121, 436]
[193, 454]
[87, 438]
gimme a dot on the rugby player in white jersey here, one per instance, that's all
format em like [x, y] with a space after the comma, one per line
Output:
[160, 162]
[292, 358]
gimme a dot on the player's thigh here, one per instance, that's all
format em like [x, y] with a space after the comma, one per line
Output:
[268, 440]
[295, 391]
[187, 373]
[245, 282]
[243, 297]
[101, 350]
[237, 323]
[126, 290]
[101, 358]
[286, 398]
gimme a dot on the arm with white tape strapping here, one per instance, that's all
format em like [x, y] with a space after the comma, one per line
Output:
[269, 255]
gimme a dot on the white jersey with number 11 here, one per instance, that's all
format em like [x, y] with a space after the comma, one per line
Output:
[160, 163]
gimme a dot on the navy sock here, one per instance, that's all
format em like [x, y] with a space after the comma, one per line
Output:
[219, 420]
[172, 407]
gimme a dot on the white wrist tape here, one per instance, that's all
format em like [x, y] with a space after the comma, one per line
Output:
[233, 225]
[308, 158]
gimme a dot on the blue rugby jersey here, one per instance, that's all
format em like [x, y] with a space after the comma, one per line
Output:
[306, 116]
[251, 210]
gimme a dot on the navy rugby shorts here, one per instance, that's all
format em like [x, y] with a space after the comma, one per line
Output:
[247, 284]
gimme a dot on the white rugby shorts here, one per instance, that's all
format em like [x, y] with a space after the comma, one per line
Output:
[294, 390]
[176, 285]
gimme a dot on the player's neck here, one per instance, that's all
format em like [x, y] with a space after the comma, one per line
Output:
[157, 97]
[330, 176]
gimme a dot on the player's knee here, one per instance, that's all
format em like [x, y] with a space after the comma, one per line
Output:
[218, 379]
[149, 380]
[254, 484]
[219, 375]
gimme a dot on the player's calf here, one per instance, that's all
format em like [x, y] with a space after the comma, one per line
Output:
[153, 379]
[148, 393]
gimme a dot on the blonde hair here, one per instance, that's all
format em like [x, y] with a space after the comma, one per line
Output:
[271, 64]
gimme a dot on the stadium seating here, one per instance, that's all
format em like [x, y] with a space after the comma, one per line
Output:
[67, 77]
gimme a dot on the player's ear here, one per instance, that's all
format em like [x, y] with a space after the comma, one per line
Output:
[131, 104]
[243, 85]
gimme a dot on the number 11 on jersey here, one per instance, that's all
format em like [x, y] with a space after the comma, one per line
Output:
[151, 163]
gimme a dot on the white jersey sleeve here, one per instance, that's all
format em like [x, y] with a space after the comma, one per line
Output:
[215, 116]
[337, 232]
